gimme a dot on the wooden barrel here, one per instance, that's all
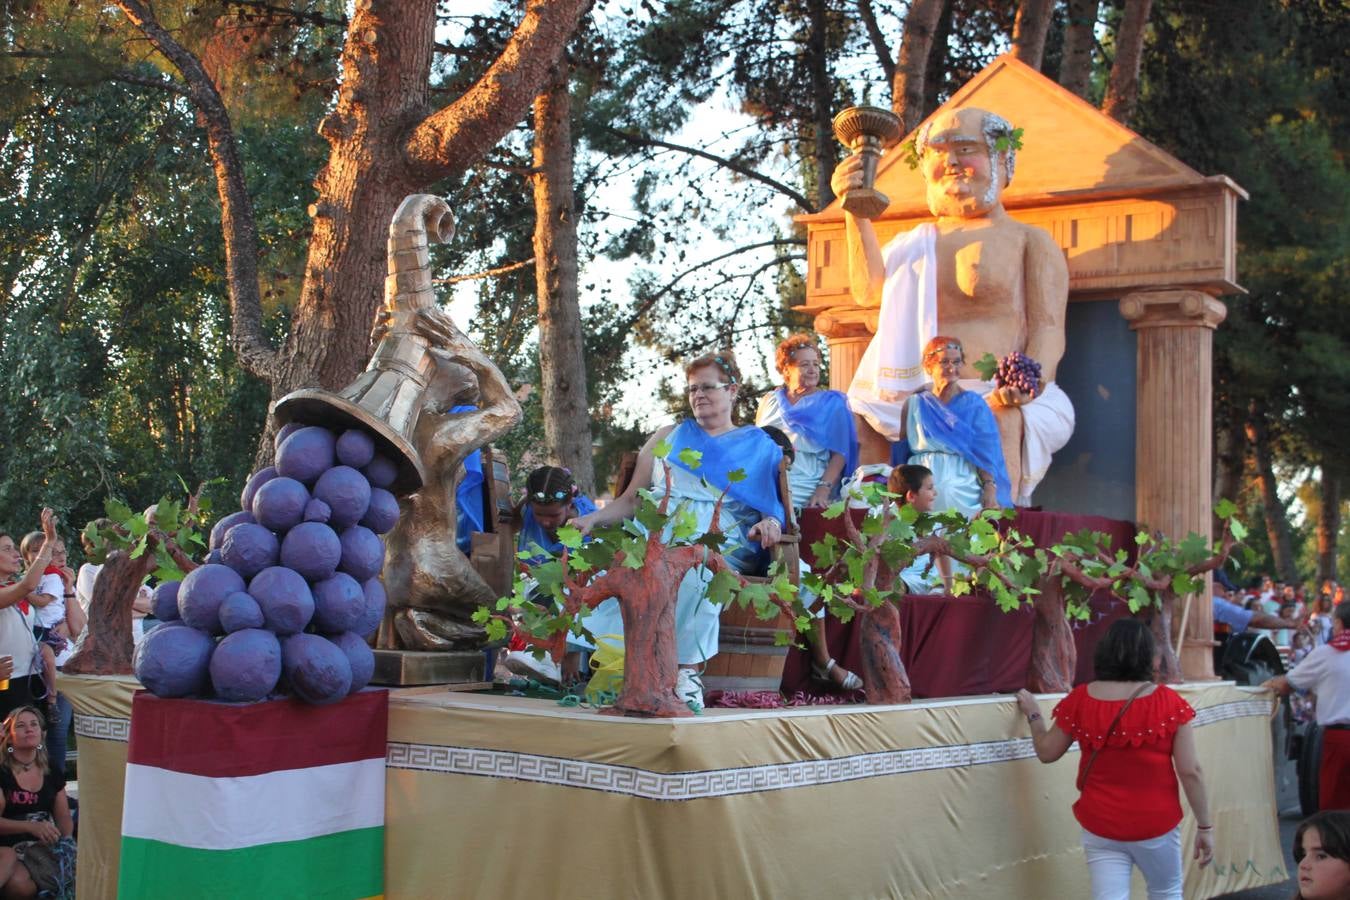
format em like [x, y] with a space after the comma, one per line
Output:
[747, 659]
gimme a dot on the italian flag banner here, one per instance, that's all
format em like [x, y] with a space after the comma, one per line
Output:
[276, 799]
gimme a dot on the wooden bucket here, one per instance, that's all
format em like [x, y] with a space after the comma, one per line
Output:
[747, 659]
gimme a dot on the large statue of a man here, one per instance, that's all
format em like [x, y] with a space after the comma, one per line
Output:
[975, 274]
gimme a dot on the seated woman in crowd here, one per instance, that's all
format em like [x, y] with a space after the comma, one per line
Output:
[914, 487]
[552, 499]
[816, 420]
[37, 850]
[952, 432]
[16, 618]
[752, 516]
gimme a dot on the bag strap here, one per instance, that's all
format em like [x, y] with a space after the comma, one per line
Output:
[1082, 777]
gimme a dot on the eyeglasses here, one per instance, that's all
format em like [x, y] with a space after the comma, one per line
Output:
[696, 389]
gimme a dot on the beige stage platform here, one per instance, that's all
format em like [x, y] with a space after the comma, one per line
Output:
[505, 797]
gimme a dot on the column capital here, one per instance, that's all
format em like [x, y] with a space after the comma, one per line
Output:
[843, 322]
[1187, 309]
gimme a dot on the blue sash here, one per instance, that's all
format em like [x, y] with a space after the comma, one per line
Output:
[966, 427]
[469, 495]
[746, 448]
[532, 533]
[825, 419]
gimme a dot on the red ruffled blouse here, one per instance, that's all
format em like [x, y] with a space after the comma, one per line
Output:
[1131, 793]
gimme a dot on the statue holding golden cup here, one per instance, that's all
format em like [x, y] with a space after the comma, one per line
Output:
[868, 131]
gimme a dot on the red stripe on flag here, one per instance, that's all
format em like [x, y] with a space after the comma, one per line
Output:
[223, 740]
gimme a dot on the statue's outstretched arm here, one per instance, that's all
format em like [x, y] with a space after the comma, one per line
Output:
[498, 410]
[866, 269]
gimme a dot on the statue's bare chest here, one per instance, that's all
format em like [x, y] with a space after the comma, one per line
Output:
[980, 273]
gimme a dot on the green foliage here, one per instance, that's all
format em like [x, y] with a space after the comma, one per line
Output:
[126, 530]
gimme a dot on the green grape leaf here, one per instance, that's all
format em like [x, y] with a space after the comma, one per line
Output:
[722, 588]
[481, 615]
[662, 449]
[570, 537]
[1238, 529]
[736, 475]
[986, 366]
[1225, 509]
[496, 630]
[690, 457]
[835, 510]
[118, 511]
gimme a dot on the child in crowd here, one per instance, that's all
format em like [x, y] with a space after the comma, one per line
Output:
[1322, 851]
[914, 487]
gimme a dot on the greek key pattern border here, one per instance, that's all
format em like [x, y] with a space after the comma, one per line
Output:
[103, 728]
[699, 785]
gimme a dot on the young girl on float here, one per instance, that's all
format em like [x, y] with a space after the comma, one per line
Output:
[914, 487]
[552, 499]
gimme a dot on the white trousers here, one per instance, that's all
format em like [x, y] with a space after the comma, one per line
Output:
[1110, 864]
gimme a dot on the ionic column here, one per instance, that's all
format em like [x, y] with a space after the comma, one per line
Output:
[848, 330]
[1174, 431]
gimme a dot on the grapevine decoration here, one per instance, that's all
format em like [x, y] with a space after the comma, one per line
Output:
[641, 562]
[1011, 140]
[860, 574]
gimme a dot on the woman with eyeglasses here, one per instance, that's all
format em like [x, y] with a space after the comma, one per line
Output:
[752, 515]
[815, 419]
[953, 433]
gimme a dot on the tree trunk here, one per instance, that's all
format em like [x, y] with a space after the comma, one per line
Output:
[1122, 93]
[826, 148]
[938, 63]
[907, 90]
[883, 672]
[1054, 657]
[1277, 520]
[1230, 463]
[1328, 523]
[1075, 71]
[562, 355]
[650, 662]
[1030, 29]
[1160, 623]
[106, 648]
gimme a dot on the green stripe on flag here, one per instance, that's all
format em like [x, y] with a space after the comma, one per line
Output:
[346, 865]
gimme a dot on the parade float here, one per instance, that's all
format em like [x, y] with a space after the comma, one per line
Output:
[495, 795]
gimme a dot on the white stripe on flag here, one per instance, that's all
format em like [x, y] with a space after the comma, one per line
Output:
[229, 813]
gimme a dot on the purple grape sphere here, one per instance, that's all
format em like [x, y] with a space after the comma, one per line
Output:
[373, 613]
[339, 604]
[286, 601]
[213, 558]
[258, 479]
[172, 660]
[164, 601]
[246, 665]
[221, 528]
[307, 454]
[317, 670]
[355, 448]
[362, 553]
[381, 471]
[249, 548]
[284, 432]
[202, 592]
[317, 511]
[382, 514]
[347, 494]
[280, 504]
[312, 549]
[359, 656]
[239, 611]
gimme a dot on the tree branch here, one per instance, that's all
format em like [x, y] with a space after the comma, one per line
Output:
[486, 273]
[730, 164]
[869, 17]
[453, 137]
[236, 209]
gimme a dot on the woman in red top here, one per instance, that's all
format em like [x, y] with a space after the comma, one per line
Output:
[1136, 742]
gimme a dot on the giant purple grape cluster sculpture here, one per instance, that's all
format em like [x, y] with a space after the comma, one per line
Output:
[291, 587]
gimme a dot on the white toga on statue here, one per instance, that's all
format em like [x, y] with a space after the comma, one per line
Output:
[892, 366]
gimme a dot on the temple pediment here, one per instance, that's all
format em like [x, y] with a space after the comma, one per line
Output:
[1127, 214]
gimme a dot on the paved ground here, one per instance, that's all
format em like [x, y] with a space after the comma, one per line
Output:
[1289, 820]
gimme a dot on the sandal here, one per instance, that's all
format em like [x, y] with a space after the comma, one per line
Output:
[848, 681]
